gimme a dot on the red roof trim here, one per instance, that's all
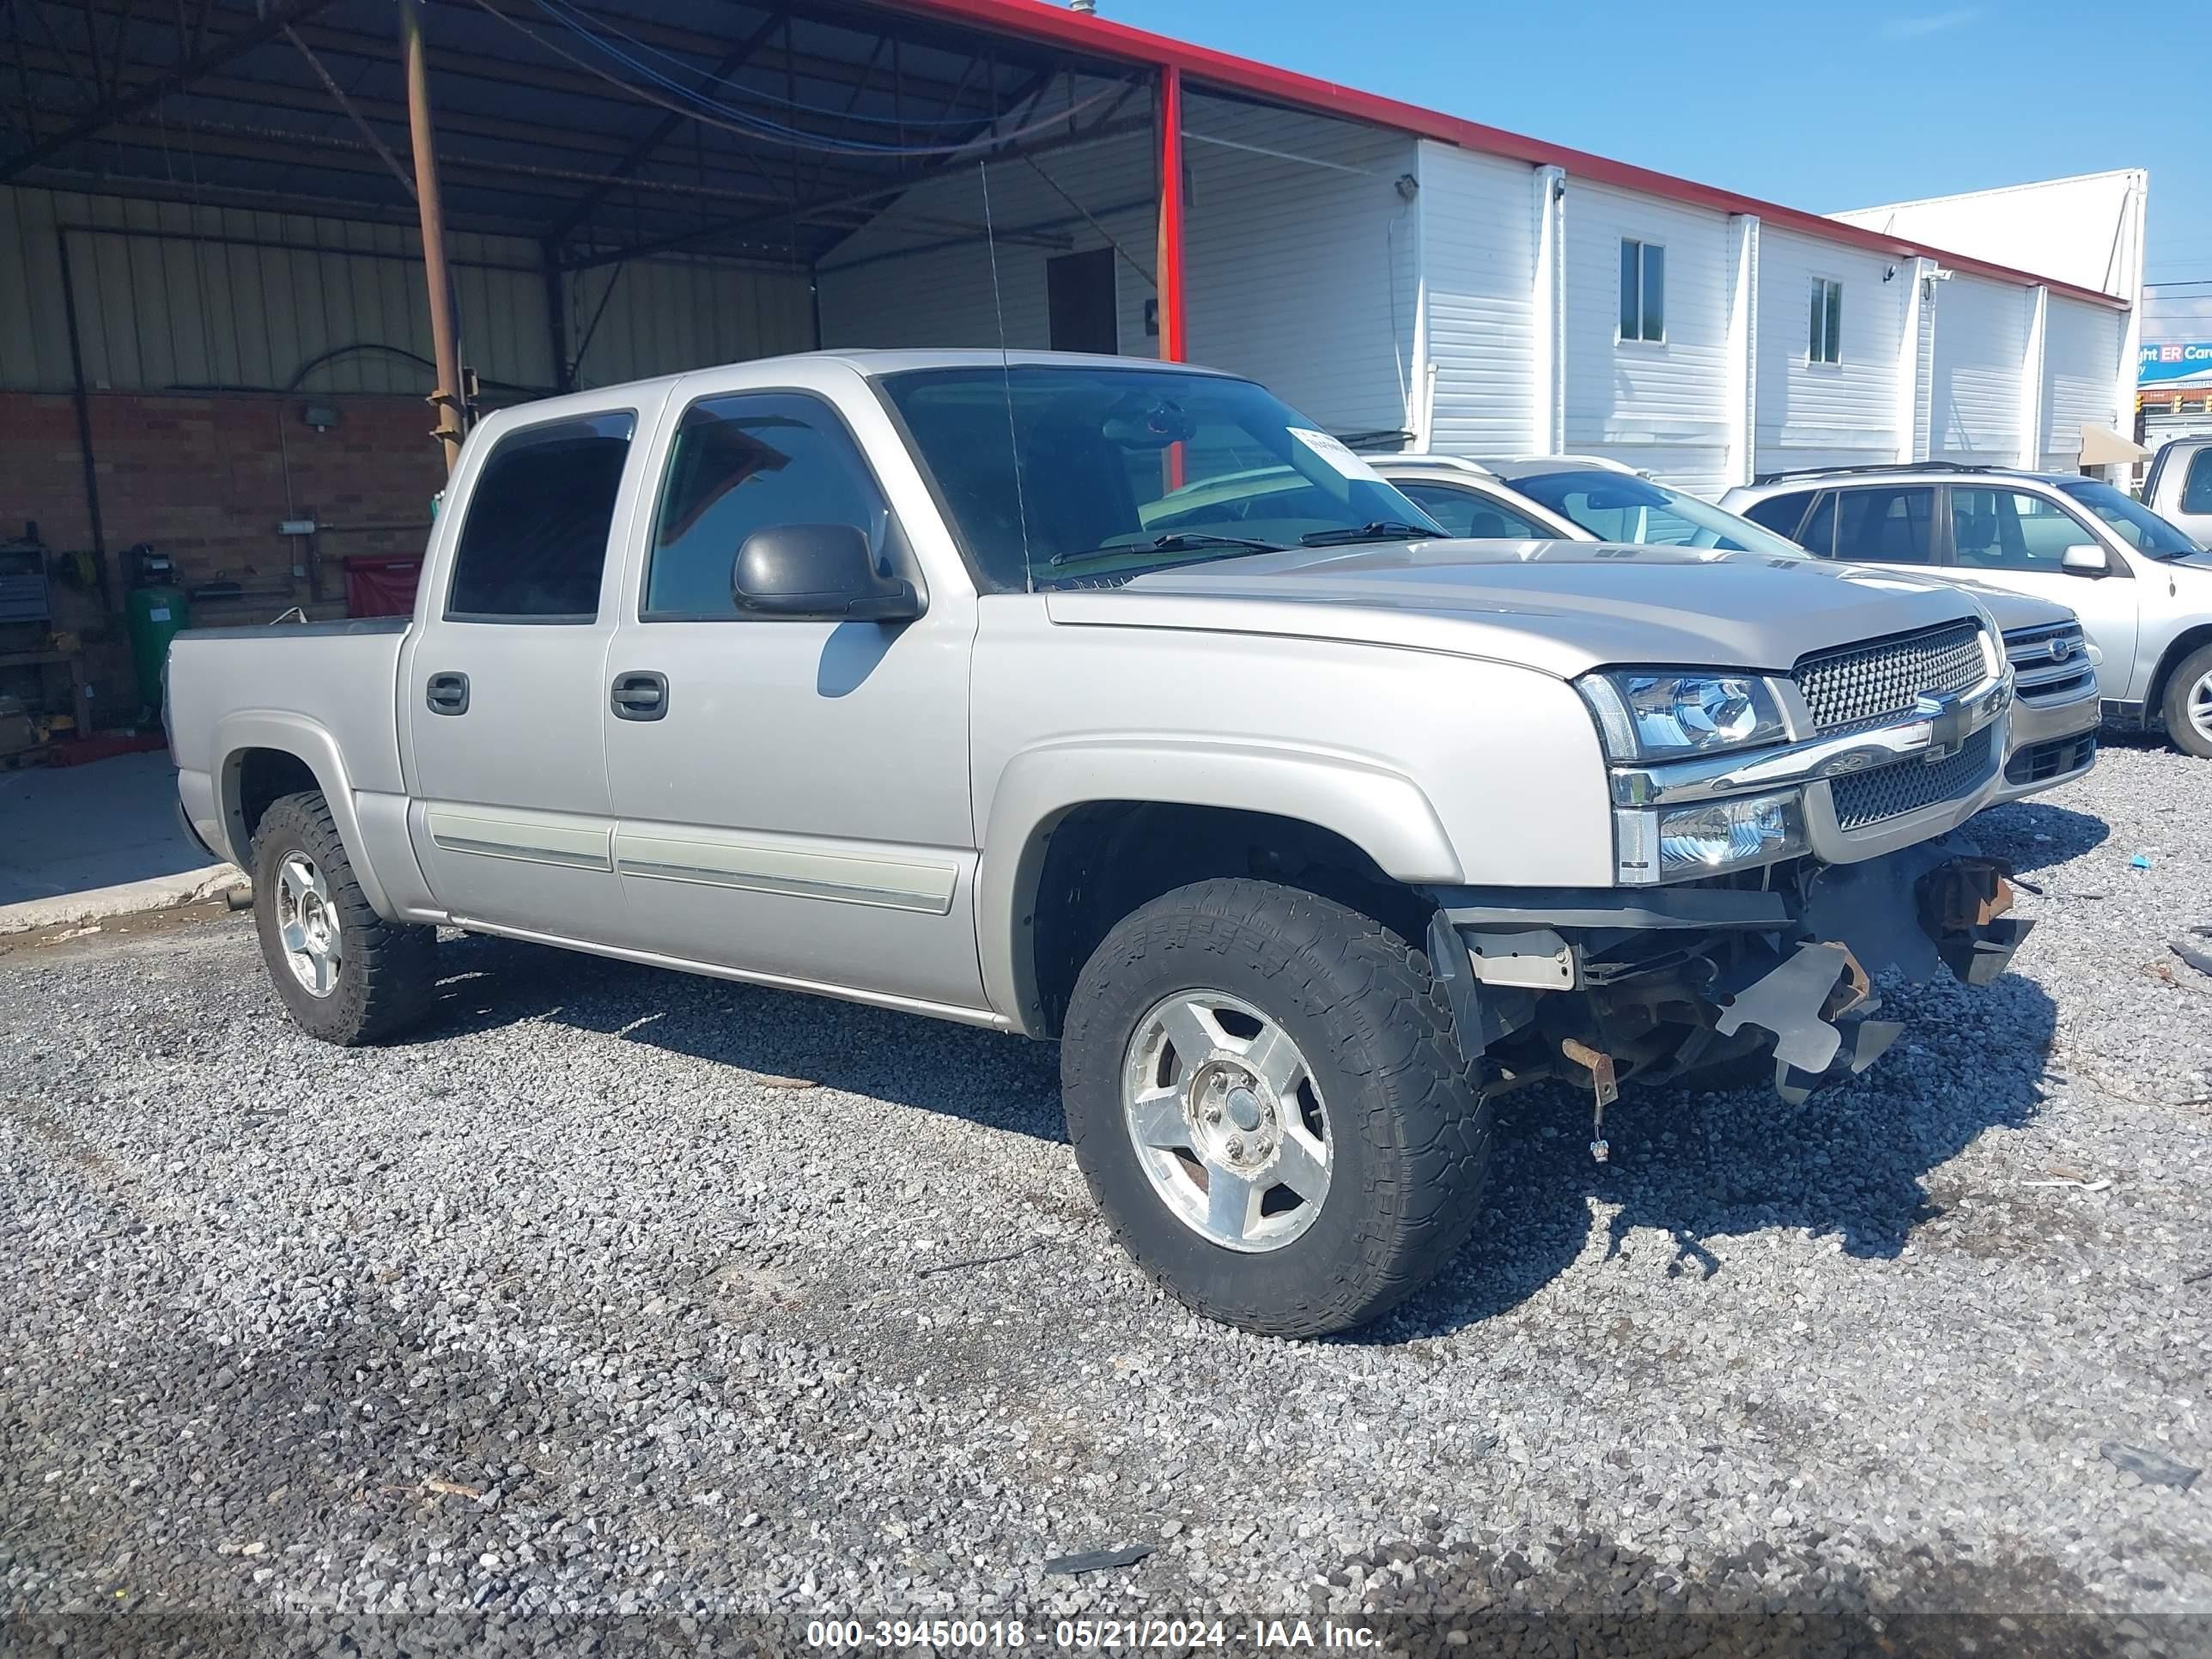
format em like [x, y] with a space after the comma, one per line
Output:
[1036, 20]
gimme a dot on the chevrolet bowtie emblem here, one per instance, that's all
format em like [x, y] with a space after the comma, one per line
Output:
[1946, 724]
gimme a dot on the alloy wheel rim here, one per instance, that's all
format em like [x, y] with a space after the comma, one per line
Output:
[1227, 1119]
[2200, 706]
[307, 925]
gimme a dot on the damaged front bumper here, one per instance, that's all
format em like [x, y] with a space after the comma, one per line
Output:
[1603, 984]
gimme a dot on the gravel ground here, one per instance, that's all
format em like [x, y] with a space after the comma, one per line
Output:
[619, 1293]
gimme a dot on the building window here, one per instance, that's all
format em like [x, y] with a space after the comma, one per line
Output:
[1643, 290]
[1826, 344]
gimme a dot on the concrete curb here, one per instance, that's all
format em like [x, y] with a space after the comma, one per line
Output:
[129, 898]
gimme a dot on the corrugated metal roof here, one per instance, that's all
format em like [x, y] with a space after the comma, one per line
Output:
[745, 127]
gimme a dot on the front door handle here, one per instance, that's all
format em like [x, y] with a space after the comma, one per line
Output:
[640, 695]
[447, 694]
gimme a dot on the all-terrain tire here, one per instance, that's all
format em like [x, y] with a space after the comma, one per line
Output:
[386, 972]
[1411, 1127]
[2180, 687]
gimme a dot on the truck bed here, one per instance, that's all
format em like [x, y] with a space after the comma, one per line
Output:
[233, 689]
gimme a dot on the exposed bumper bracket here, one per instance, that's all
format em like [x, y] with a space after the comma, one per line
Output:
[1963, 906]
[1816, 1003]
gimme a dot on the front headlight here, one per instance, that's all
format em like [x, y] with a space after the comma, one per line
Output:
[1710, 838]
[1664, 713]
[1749, 830]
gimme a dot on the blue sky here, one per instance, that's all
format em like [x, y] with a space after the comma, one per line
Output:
[1821, 107]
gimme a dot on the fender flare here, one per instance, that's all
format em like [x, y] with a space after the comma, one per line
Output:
[301, 738]
[1382, 812]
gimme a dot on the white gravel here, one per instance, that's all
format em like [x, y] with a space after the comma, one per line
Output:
[574, 1307]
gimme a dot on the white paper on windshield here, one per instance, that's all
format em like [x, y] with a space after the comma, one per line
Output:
[1333, 450]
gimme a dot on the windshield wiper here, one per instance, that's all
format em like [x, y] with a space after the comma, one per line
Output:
[1178, 542]
[1383, 530]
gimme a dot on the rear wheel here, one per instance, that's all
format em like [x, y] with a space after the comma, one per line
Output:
[1266, 1094]
[344, 974]
[2188, 704]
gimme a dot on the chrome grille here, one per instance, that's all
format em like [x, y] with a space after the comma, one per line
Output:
[1864, 684]
[2040, 677]
[1888, 791]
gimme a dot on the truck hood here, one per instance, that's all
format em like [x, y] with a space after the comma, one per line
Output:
[1562, 607]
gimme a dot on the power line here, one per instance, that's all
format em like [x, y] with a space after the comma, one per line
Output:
[713, 113]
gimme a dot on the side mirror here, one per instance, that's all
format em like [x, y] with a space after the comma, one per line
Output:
[2086, 559]
[821, 570]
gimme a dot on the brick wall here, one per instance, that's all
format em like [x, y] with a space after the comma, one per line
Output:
[205, 479]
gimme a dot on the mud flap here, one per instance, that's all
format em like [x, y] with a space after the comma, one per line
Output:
[1816, 1004]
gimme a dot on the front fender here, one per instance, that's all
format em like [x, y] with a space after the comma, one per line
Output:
[292, 734]
[1382, 812]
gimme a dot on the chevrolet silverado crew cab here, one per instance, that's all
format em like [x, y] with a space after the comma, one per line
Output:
[2055, 710]
[1020, 690]
[2142, 587]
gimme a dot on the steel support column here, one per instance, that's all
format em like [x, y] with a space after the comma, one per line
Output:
[1170, 264]
[444, 344]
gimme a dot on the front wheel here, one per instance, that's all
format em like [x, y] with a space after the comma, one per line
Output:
[2188, 704]
[344, 974]
[1267, 1097]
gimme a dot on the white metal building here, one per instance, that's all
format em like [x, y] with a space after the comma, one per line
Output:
[229, 253]
[1409, 272]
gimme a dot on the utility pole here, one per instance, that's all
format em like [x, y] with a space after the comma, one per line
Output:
[444, 344]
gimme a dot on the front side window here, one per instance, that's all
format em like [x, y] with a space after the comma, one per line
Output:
[744, 463]
[1056, 475]
[1888, 524]
[534, 544]
[1643, 290]
[2196, 488]
[1827, 344]
[1466, 513]
[2010, 530]
[1618, 506]
[2134, 523]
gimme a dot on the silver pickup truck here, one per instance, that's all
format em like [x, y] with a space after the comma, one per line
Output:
[1022, 691]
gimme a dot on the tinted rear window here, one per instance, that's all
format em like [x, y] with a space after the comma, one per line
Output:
[535, 540]
[1780, 514]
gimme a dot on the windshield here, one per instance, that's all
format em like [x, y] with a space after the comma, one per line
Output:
[1615, 507]
[2130, 521]
[1124, 470]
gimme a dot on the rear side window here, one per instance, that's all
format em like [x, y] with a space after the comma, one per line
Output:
[1464, 512]
[1780, 514]
[535, 540]
[1892, 525]
[1818, 533]
[744, 463]
[2196, 488]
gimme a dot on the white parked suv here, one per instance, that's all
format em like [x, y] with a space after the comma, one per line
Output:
[1589, 498]
[2141, 586]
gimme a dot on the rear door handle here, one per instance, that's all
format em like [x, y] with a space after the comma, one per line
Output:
[447, 694]
[640, 695]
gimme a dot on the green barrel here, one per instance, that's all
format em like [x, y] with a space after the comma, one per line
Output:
[152, 618]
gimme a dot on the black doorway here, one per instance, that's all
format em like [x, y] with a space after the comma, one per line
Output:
[1079, 293]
